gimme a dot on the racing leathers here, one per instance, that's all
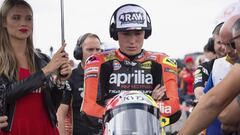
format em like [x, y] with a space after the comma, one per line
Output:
[109, 73]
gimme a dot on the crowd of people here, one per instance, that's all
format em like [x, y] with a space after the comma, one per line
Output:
[42, 95]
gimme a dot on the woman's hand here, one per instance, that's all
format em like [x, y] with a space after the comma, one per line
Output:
[3, 121]
[158, 92]
[65, 71]
[59, 58]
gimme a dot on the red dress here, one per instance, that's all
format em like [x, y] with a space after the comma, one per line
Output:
[30, 117]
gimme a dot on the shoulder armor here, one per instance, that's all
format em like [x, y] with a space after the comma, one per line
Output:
[154, 56]
[162, 58]
[110, 55]
[102, 57]
[93, 59]
[169, 61]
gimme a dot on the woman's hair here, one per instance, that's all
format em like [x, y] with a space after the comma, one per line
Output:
[8, 61]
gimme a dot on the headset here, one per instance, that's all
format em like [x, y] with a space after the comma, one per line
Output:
[210, 45]
[78, 52]
[217, 28]
[112, 25]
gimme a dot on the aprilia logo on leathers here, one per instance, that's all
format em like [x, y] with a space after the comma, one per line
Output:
[165, 108]
[138, 77]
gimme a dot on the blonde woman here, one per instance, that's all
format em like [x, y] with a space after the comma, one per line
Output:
[31, 94]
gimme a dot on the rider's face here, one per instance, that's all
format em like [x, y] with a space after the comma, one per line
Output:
[131, 42]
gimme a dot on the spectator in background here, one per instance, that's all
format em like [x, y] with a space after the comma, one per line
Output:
[186, 76]
[220, 68]
[220, 96]
[230, 35]
[186, 80]
[87, 45]
[203, 71]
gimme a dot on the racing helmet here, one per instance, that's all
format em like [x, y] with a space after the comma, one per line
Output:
[130, 17]
[131, 113]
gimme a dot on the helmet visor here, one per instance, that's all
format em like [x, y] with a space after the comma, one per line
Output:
[133, 121]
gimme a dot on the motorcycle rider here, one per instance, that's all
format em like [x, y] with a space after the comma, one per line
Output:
[130, 67]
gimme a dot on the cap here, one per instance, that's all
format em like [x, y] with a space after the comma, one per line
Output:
[188, 59]
[131, 18]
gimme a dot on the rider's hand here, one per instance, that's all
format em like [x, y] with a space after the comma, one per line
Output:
[158, 92]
